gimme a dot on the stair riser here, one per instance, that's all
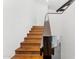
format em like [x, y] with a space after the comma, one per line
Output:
[25, 39]
[34, 36]
[37, 33]
[27, 52]
[37, 29]
[32, 41]
[32, 44]
[18, 55]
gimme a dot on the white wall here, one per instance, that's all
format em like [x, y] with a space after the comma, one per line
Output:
[68, 38]
[63, 25]
[41, 10]
[19, 17]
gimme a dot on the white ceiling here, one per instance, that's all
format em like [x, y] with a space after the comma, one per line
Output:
[52, 4]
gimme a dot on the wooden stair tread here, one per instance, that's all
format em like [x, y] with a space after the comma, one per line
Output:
[30, 46]
[32, 38]
[32, 41]
[37, 29]
[28, 57]
[35, 33]
[28, 49]
[38, 26]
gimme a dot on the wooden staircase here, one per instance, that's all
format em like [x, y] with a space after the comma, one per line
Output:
[30, 47]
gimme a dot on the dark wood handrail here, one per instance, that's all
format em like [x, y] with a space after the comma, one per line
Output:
[68, 3]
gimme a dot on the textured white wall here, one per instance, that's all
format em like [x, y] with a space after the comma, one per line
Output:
[19, 17]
